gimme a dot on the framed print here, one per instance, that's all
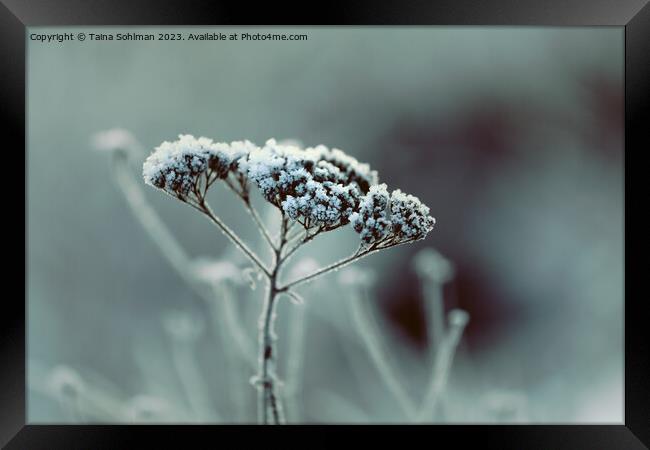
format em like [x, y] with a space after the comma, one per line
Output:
[400, 215]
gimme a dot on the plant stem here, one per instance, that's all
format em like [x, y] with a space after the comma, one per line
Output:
[324, 270]
[256, 217]
[339, 264]
[270, 407]
[434, 305]
[436, 311]
[442, 364]
[260, 225]
[205, 208]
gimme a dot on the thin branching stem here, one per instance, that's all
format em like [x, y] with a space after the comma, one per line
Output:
[434, 305]
[361, 253]
[205, 208]
[260, 224]
[253, 212]
[436, 311]
[298, 243]
[269, 402]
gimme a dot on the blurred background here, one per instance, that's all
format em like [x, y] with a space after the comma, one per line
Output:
[513, 137]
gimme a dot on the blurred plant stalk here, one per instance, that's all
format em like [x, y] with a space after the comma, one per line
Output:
[224, 312]
[434, 270]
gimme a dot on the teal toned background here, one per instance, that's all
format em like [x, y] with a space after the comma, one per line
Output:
[513, 137]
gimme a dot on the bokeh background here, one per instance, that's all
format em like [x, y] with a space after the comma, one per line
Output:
[513, 137]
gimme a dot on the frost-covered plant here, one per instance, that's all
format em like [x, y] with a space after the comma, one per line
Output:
[316, 190]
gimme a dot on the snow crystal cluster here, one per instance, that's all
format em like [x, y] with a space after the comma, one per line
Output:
[318, 187]
[385, 218]
[315, 186]
[177, 166]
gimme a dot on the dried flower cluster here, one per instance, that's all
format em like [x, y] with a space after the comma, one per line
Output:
[387, 219]
[318, 187]
[180, 167]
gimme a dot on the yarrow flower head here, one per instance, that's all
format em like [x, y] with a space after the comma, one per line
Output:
[349, 169]
[409, 217]
[371, 221]
[384, 220]
[314, 186]
[320, 188]
[177, 167]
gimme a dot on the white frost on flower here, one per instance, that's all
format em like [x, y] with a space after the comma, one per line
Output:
[350, 170]
[314, 186]
[409, 217]
[372, 222]
[318, 187]
[116, 140]
[176, 166]
[394, 218]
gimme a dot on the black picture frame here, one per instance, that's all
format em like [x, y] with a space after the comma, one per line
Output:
[633, 15]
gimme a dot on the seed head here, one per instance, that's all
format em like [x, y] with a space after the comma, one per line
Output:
[409, 216]
[315, 186]
[371, 221]
[176, 167]
[318, 187]
[384, 219]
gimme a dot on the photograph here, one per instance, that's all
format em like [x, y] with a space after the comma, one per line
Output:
[325, 225]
